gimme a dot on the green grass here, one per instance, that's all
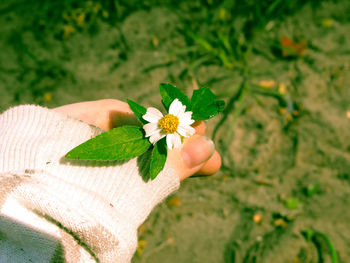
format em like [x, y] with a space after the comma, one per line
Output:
[281, 67]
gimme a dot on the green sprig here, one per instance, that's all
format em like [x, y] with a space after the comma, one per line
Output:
[128, 142]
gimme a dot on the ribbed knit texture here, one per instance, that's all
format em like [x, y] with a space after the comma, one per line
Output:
[53, 210]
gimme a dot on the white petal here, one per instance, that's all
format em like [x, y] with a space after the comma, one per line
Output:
[176, 108]
[173, 141]
[151, 128]
[186, 130]
[182, 111]
[169, 141]
[186, 118]
[177, 141]
[152, 115]
[156, 137]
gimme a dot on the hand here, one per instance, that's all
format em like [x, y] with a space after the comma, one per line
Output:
[197, 155]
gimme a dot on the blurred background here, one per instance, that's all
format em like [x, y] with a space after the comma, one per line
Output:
[282, 66]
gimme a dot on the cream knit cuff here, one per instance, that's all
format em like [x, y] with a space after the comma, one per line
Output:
[101, 204]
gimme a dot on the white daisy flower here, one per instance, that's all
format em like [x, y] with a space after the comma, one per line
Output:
[173, 125]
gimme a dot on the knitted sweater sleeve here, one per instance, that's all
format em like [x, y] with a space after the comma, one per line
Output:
[53, 210]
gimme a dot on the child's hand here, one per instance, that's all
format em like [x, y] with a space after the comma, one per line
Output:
[197, 156]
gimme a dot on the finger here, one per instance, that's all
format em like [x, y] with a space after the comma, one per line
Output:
[193, 155]
[105, 114]
[110, 113]
[75, 110]
[120, 114]
[212, 166]
[200, 127]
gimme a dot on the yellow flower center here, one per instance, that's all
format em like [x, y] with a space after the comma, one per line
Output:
[169, 123]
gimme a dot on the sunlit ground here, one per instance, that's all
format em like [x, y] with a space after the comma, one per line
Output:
[282, 67]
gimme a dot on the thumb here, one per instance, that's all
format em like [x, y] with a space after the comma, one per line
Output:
[188, 160]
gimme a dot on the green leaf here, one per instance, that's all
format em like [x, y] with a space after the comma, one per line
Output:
[170, 93]
[159, 155]
[311, 189]
[220, 105]
[138, 110]
[205, 105]
[292, 203]
[117, 144]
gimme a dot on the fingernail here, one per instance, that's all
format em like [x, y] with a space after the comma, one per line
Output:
[197, 151]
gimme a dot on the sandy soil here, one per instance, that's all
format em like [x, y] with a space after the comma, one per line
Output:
[279, 177]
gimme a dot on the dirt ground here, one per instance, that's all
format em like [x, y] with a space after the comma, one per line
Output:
[283, 192]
